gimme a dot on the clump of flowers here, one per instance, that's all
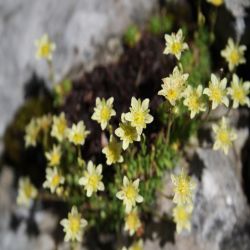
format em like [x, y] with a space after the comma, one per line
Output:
[73, 226]
[173, 86]
[184, 188]
[73, 175]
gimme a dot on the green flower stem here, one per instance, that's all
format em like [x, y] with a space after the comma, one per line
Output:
[170, 123]
[51, 71]
[73, 245]
[45, 140]
[79, 151]
[208, 112]
[213, 22]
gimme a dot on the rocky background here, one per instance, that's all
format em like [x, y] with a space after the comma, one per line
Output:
[83, 30]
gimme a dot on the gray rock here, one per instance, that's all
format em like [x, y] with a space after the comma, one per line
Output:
[81, 26]
[221, 214]
[220, 205]
[238, 10]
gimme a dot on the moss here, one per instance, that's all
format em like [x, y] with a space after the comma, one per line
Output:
[132, 36]
[15, 153]
[160, 24]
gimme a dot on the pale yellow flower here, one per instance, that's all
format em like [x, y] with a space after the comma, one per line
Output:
[73, 226]
[77, 133]
[26, 192]
[239, 91]
[59, 127]
[217, 92]
[31, 133]
[53, 179]
[234, 54]
[139, 115]
[54, 156]
[130, 194]
[132, 222]
[193, 100]
[182, 217]
[175, 44]
[173, 86]
[113, 151]
[127, 133]
[92, 179]
[44, 122]
[45, 48]
[103, 111]
[224, 135]
[216, 2]
[183, 188]
[138, 245]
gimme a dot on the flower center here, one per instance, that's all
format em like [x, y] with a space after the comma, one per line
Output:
[113, 152]
[61, 127]
[28, 190]
[182, 215]
[93, 181]
[183, 187]
[217, 2]
[105, 113]
[239, 94]
[172, 94]
[139, 118]
[194, 102]
[234, 57]
[130, 192]
[55, 159]
[77, 138]
[74, 224]
[176, 47]
[55, 180]
[216, 94]
[45, 49]
[129, 132]
[132, 221]
[223, 136]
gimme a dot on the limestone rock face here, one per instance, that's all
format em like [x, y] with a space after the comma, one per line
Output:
[221, 212]
[78, 27]
[238, 10]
